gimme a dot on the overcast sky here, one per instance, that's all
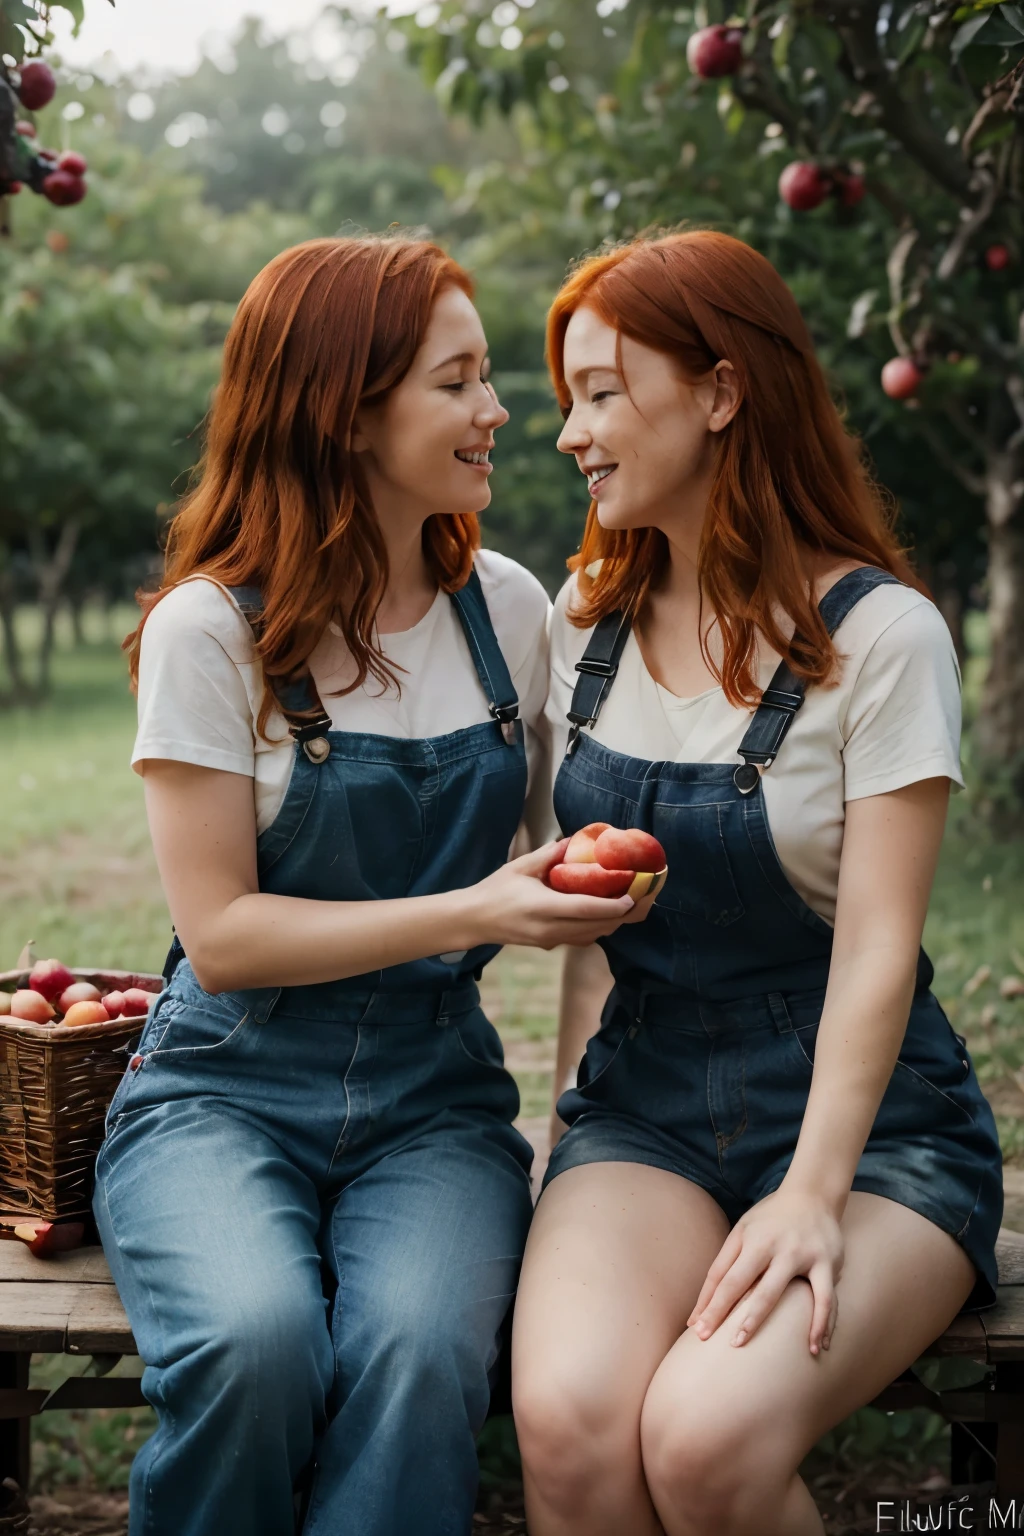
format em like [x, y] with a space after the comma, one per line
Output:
[166, 34]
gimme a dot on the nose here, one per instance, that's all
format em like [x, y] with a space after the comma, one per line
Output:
[572, 438]
[492, 413]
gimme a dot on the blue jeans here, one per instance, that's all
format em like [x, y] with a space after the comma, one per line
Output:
[316, 1227]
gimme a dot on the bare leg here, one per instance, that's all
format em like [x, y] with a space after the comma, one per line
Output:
[724, 1429]
[616, 1257]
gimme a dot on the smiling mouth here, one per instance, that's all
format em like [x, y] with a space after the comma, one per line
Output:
[473, 458]
[595, 476]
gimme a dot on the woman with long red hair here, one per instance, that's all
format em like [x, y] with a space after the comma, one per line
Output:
[311, 1192]
[780, 1179]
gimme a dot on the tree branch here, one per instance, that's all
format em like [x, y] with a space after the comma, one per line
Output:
[967, 478]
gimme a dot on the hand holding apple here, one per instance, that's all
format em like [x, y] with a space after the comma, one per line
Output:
[602, 860]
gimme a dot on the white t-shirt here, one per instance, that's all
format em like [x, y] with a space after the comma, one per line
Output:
[200, 684]
[893, 719]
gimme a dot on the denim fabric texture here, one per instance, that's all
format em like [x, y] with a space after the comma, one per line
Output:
[703, 1061]
[312, 1198]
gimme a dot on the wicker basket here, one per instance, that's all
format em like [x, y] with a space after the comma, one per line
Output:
[56, 1082]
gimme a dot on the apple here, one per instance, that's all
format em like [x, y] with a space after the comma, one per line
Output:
[5, 1003]
[136, 1002]
[715, 51]
[86, 1013]
[12, 188]
[47, 1237]
[114, 1004]
[900, 378]
[997, 258]
[78, 992]
[589, 879]
[38, 85]
[851, 190]
[602, 860]
[72, 162]
[803, 185]
[51, 978]
[63, 189]
[26, 1004]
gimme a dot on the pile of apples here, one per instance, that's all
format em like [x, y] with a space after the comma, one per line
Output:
[52, 991]
[602, 860]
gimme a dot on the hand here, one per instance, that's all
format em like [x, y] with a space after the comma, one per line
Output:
[641, 908]
[514, 906]
[788, 1233]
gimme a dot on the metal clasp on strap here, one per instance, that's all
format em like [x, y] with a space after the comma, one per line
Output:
[506, 716]
[597, 668]
[746, 777]
[313, 739]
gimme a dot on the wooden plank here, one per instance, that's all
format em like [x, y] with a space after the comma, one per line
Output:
[18, 1262]
[35, 1317]
[1010, 1257]
[964, 1337]
[1004, 1325]
[97, 1323]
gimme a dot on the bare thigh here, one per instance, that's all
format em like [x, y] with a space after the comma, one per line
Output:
[762, 1406]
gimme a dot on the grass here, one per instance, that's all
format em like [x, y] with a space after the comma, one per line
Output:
[77, 875]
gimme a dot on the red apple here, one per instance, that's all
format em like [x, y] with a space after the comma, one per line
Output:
[27, 130]
[589, 880]
[715, 51]
[630, 849]
[63, 189]
[48, 1237]
[12, 189]
[86, 1013]
[851, 190]
[803, 185]
[136, 1002]
[580, 848]
[113, 1002]
[51, 978]
[997, 258]
[72, 162]
[78, 992]
[900, 378]
[26, 1004]
[38, 85]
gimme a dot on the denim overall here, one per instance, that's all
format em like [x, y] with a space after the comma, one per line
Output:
[312, 1198]
[703, 1061]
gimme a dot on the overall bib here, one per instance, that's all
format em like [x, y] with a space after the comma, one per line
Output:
[312, 1198]
[703, 1061]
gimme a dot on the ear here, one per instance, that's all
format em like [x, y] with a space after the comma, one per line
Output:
[727, 396]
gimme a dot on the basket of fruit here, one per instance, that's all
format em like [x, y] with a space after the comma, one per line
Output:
[64, 1038]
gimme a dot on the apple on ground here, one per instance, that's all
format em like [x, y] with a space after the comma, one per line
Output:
[51, 978]
[78, 992]
[47, 1237]
[31, 1006]
[86, 1013]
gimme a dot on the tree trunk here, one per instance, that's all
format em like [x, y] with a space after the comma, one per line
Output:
[76, 609]
[19, 688]
[52, 573]
[1000, 724]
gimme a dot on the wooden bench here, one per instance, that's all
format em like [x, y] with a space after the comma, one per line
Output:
[69, 1305]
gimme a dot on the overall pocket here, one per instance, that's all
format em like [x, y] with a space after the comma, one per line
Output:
[700, 876]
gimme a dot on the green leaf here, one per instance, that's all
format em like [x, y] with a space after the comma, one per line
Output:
[968, 32]
[1014, 15]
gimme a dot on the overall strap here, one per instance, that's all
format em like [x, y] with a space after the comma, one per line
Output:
[491, 667]
[297, 696]
[597, 668]
[785, 693]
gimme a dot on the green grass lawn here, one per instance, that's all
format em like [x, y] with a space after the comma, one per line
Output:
[77, 876]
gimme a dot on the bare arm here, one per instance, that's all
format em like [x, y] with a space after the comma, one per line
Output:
[586, 982]
[203, 825]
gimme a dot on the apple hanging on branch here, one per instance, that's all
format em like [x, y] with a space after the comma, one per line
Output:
[58, 178]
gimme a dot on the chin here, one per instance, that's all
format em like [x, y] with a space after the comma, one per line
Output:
[618, 518]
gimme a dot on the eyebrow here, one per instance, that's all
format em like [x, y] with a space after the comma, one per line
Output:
[456, 357]
[584, 373]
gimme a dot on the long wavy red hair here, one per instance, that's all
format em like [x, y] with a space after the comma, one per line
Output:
[789, 476]
[278, 500]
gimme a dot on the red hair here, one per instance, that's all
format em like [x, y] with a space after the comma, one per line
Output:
[278, 502]
[787, 473]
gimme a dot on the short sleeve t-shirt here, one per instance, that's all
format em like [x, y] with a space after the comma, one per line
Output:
[893, 719]
[201, 684]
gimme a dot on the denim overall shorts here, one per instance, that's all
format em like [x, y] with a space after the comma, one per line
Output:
[703, 1061]
[312, 1197]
